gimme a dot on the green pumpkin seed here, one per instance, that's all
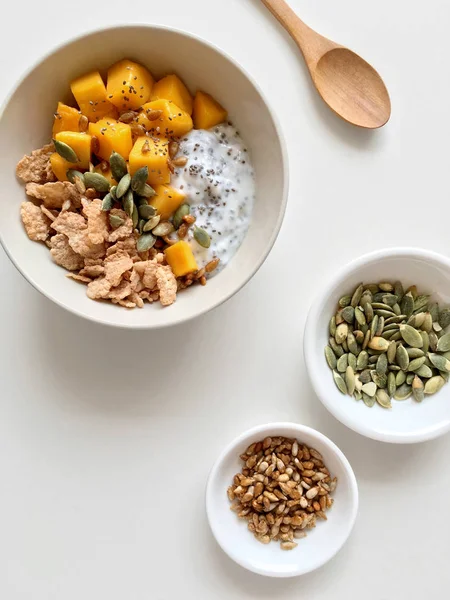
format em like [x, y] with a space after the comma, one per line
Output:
[147, 191]
[436, 327]
[391, 385]
[128, 203]
[387, 314]
[344, 301]
[444, 318]
[394, 368]
[407, 304]
[366, 298]
[112, 191]
[146, 211]
[123, 186]
[163, 228]
[447, 355]
[342, 363]
[108, 202]
[369, 388]
[368, 311]
[72, 173]
[411, 336]
[413, 291]
[337, 349]
[382, 364]
[357, 295]
[410, 378]
[418, 389]
[381, 306]
[415, 364]
[366, 339]
[415, 353]
[380, 327]
[400, 378]
[440, 362]
[364, 376]
[433, 309]
[403, 392]
[350, 381]
[372, 288]
[426, 340]
[433, 385]
[142, 223]
[383, 399]
[135, 216]
[402, 357]
[386, 287]
[360, 316]
[391, 352]
[374, 325]
[96, 181]
[340, 383]
[359, 336]
[398, 290]
[351, 343]
[66, 152]
[368, 400]
[152, 223]
[118, 166]
[380, 380]
[362, 360]
[424, 372]
[139, 179]
[331, 326]
[202, 237]
[433, 341]
[373, 359]
[115, 221]
[427, 324]
[181, 212]
[339, 318]
[395, 319]
[420, 303]
[397, 310]
[379, 343]
[390, 300]
[445, 375]
[357, 395]
[352, 361]
[145, 242]
[348, 314]
[387, 335]
[444, 343]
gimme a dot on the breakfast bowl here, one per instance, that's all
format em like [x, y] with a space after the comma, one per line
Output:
[25, 124]
[403, 420]
[307, 552]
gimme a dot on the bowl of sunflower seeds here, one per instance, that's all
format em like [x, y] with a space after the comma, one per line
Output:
[377, 345]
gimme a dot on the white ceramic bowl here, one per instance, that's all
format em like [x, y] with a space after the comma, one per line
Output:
[408, 421]
[321, 543]
[25, 124]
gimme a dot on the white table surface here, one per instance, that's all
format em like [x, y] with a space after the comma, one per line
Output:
[107, 436]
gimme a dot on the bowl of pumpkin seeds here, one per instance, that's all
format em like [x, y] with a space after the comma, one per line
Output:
[377, 345]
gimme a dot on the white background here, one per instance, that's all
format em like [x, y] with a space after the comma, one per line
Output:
[107, 436]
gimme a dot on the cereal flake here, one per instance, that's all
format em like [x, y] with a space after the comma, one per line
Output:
[36, 167]
[54, 195]
[63, 254]
[36, 224]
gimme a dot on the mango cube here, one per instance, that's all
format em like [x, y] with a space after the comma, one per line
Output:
[181, 259]
[60, 166]
[167, 200]
[91, 96]
[80, 143]
[207, 112]
[112, 135]
[173, 120]
[67, 118]
[172, 88]
[129, 85]
[153, 153]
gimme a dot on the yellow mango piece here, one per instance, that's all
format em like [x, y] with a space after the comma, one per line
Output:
[167, 200]
[91, 96]
[106, 174]
[174, 121]
[207, 112]
[155, 157]
[60, 166]
[80, 143]
[172, 88]
[112, 135]
[181, 259]
[129, 85]
[67, 118]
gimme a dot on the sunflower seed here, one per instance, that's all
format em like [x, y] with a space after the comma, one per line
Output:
[66, 152]
[115, 221]
[383, 399]
[202, 237]
[403, 392]
[72, 173]
[357, 295]
[411, 336]
[391, 385]
[344, 301]
[163, 228]
[123, 185]
[433, 385]
[139, 180]
[342, 363]
[108, 202]
[118, 165]
[145, 242]
[444, 343]
[96, 181]
[340, 383]
[153, 222]
[348, 314]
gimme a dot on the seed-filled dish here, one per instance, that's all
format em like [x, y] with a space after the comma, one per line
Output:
[389, 343]
[143, 189]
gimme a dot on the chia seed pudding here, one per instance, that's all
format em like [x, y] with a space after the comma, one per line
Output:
[219, 185]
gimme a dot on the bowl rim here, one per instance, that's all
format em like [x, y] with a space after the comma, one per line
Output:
[312, 360]
[281, 427]
[284, 160]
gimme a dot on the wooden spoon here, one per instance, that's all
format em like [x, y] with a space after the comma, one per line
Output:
[348, 84]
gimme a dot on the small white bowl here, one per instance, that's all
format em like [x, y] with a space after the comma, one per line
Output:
[321, 543]
[26, 125]
[407, 421]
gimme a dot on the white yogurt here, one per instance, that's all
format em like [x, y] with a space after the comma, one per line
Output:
[219, 185]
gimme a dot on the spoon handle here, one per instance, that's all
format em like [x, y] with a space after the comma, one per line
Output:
[311, 44]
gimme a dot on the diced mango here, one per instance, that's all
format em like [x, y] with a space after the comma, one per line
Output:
[80, 144]
[112, 135]
[181, 259]
[60, 166]
[167, 200]
[155, 157]
[106, 174]
[173, 121]
[67, 118]
[129, 85]
[172, 88]
[91, 96]
[207, 112]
